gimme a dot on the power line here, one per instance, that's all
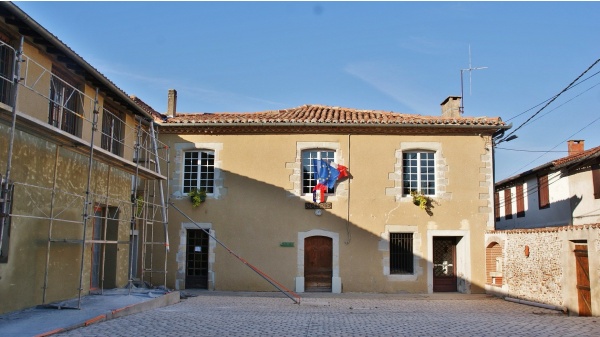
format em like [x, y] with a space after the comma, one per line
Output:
[562, 142]
[521, 150]
[554, 98]
[581, 82]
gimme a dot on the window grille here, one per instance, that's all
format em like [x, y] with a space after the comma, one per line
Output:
[308, 170]
[418, 172]
[401, 253]
[199, 171]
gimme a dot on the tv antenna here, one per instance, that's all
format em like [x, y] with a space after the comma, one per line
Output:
[470, 69]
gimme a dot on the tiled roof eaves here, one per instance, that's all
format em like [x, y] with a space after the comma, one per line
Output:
[553, 165]
[56, 42]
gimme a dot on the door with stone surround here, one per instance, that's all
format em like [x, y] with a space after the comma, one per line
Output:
[444, 264]
[318, 264]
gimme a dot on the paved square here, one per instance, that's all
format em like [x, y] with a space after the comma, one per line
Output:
[272, 314]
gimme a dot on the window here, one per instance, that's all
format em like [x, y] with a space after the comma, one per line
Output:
[7, 55]
[520, 201]
[596, 180]
[309, 180]
[418, 172]
[497, 206]
[199, 171]
[5, 221]
[543, 192]
[508, 203]
[64, 103]
[112, 130]
[401, 253]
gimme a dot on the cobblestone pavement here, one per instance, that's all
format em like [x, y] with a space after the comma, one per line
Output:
[271, 314]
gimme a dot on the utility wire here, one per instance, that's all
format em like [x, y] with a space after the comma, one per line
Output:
[576, 96]
[562, 142]
[573, 86]
[520, 150]
[553, 98]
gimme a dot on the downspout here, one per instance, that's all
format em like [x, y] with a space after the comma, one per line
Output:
[5, 185]
[349, 237]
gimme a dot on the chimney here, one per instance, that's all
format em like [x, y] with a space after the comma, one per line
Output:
[575, 146]
[172, 103]
[451, 107]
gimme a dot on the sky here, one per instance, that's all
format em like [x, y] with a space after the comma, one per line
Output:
[404, 57]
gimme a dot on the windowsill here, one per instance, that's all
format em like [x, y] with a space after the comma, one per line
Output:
[402, 277]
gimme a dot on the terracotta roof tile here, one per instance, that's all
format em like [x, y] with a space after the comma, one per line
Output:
[323, 115]
[577, 157]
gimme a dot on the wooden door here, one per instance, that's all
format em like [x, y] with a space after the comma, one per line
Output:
[318, 266]
[584, 294]
[196, 275]
[444, 264]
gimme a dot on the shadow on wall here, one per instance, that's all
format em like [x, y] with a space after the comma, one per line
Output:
[262, 222]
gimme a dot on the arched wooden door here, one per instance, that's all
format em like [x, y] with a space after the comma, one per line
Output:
[318, 266]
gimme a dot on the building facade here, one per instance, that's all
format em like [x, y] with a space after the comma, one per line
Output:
[545, 246]
[368, 235]
[75, 175]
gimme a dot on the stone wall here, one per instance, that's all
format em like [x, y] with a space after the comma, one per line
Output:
[538, 265]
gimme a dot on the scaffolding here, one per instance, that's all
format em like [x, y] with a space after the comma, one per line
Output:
[122, 146]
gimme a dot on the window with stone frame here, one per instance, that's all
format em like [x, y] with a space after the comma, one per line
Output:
[309, 180]
[199, 171]
[401, 253]
[418, 172]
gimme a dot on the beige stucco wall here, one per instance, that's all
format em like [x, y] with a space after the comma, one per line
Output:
[258, 208]
[33, 172]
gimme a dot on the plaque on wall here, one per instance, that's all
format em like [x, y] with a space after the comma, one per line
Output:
[314, 205]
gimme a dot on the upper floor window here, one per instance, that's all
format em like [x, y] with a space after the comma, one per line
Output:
[543, 191]
[199, 171]
[112, 130]
[508, 213]
[418, 172]
[520, 201]
[309, 174]
[64, 103]
[7, 56]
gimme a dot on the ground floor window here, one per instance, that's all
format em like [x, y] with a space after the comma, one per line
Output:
[401, 253]
[5, 210]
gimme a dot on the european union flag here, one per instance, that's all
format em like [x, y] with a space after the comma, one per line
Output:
[325, 173]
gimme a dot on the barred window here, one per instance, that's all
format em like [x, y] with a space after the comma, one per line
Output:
[418, 172]
[401, 253]
[309, 180]
[199, 171]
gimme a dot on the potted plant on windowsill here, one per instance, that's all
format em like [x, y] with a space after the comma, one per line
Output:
[197, 196]
[423, 201]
